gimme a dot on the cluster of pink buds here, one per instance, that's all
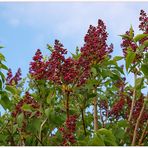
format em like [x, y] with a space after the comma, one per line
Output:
[38, 67]
[55, 62]
[95, 48]
[69, 71]
[143, 26]
[143, 21]
[29, 101]
[117, 108]
[13, 80]
[128, 43]
[68, 131]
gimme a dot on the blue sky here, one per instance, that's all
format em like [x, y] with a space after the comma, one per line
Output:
[27, 26]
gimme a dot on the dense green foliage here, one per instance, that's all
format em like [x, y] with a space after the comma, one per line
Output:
[82, 100]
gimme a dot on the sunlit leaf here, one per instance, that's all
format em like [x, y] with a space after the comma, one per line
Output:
[129, 59]
[138, 37]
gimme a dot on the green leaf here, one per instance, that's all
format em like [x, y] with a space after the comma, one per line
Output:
[34, 125]
[146, 56]
[129, 59]
[92, 95]
[50, 113]
[96, 141]
[131, 32]
[146, 103]
[120, 69]
[93, 70]
[47, 112]
[111, 62]
[144, 69]
[27, 107]
[51, 97]
[2, 58]
[57, 119]
[2, 76]
[141, 47]
[139, 83]
[139, 37]
[1, 84]
[125, 36]
[11, 89]
[3, 66]
[122, 123]
[117, 58]
[106, 73]
[15, 128]
[4, 101]
[108, 137]
[3, 139]
[119, 133]
[145, 43]
[20, 119]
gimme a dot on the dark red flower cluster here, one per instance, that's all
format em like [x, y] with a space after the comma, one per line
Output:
[143, 26]
[50, 69]
[69, 71]
[68, 131]
[84, 70]
[55, 62]
[128, 43]
[57, 68]
[95, 48]
[61, 70]
[38, 66]
[143, 21]
[116, 109]
[13, 80]
[29, 101]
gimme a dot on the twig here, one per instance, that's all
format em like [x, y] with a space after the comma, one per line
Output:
[137, 125]
[22, 143]
[95, 115]
[11, 138]
[40, 137]
[83, 121]
[101, 117]
[67, 104]
[132, 105]
[143, 134]
[39, 91]
[39, 140]
[133, 99]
